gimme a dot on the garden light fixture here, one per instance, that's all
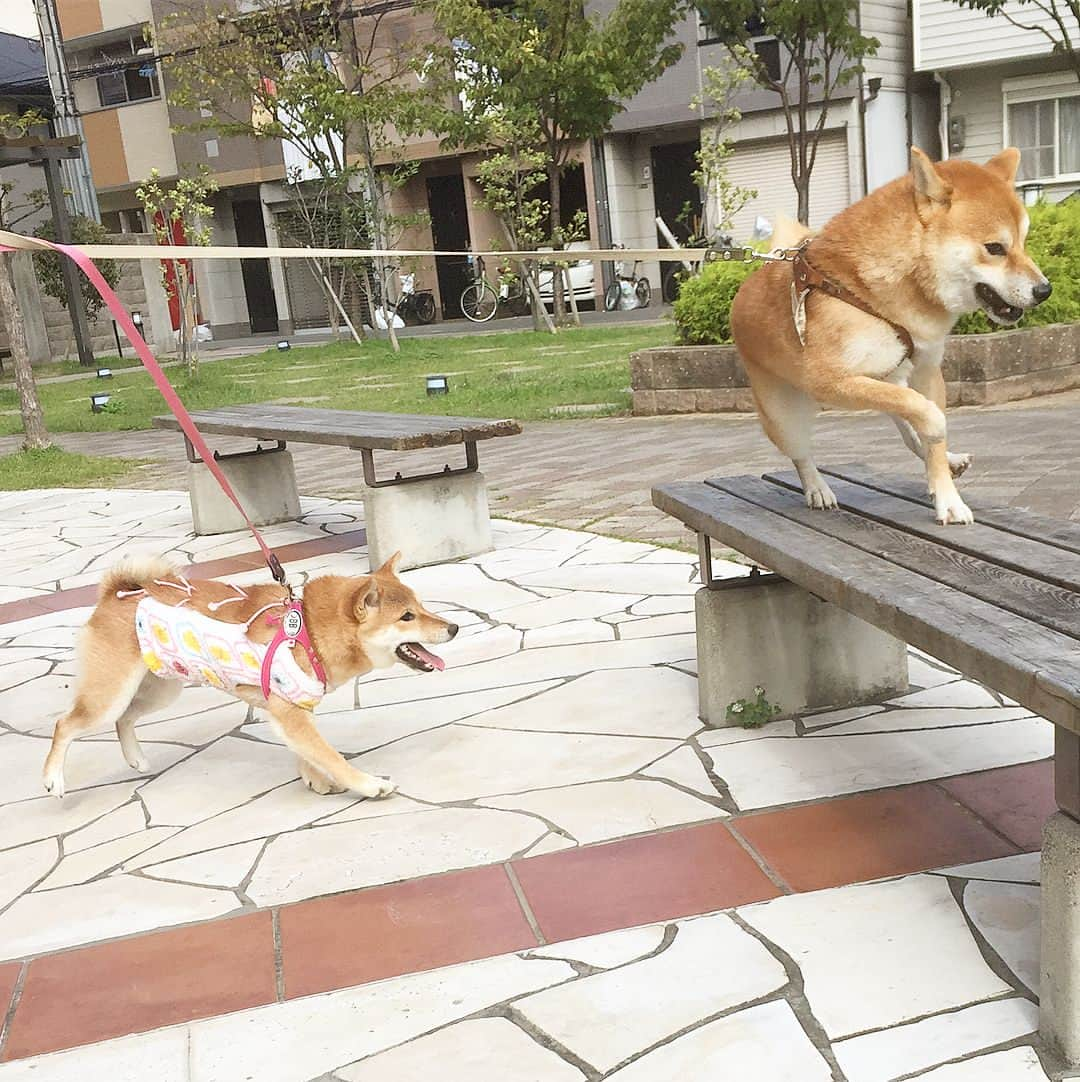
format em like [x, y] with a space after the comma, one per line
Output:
[438, 385]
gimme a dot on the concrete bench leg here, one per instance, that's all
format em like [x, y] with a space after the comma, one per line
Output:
[805, 653]
[265, 484]
[1059, 979]
[428, 521]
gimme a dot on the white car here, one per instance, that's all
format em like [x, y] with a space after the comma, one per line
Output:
[582, 277]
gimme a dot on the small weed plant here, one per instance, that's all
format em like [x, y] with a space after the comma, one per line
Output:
[752, 713]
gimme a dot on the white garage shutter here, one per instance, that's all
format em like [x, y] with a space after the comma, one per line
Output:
[766, 167]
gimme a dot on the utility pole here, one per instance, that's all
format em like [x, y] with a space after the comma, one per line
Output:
[76, 171]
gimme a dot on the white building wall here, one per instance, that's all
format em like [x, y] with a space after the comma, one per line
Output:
[887, 20]
[949, 36]
[220, 281]
[628, 164]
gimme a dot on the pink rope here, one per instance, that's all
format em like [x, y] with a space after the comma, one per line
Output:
[172, 399]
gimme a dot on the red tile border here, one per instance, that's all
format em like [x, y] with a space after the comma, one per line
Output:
[869, 836]
[111, 989]
[1014, 800]
[420, 924]
[639, 880]
[9, 978]
[92, 993]
[81, 596]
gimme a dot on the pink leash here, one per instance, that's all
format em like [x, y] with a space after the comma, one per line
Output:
[172, 400]
[291, 630]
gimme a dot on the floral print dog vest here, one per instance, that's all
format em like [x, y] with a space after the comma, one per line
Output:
[179, 643]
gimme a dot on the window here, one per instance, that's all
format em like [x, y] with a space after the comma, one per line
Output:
[1043, 123]
[128, 77]
[760, 41]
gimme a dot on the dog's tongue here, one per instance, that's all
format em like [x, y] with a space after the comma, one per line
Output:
[428, 656]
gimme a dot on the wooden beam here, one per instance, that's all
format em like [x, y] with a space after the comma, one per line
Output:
[1067, 771]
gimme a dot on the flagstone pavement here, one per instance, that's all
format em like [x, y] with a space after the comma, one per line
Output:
[575, 880]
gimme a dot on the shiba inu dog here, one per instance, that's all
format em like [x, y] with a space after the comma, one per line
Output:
[153, 631]
[861, 321]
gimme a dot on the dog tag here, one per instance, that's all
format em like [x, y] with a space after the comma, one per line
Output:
[798, 312]
[293, 623]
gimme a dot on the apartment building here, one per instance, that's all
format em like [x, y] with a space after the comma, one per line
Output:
[643, 168]
[1002, 86]
[648, 160]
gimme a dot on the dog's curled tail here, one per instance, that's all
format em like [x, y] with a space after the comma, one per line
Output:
[134, 573]
[788, 233]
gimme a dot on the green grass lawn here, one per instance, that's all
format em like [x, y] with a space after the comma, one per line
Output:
[522, 375]
[54, 468]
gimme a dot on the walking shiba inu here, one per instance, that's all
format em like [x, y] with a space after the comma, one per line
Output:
[153, 631]
[860, 319]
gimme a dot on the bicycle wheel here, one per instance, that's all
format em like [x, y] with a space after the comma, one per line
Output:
[671, 286]
[643, 292]
[425, 307]
[611, 297]
[479, 302]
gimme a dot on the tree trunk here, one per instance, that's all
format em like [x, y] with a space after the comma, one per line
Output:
[802, 188]
[33, 420]
[558, 296]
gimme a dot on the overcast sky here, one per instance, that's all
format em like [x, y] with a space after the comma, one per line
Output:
[17, 17]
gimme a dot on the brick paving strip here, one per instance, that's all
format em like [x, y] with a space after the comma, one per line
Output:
[143, 982]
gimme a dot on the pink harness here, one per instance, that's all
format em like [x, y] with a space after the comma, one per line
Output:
[291, 630]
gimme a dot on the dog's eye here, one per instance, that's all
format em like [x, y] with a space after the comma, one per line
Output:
[407, 616]
[995, 248]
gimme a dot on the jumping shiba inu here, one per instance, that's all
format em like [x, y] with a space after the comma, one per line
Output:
[860, 319]
[154, 630]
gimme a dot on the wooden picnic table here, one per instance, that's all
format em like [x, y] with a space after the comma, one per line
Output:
[430, 517]
[998, 600]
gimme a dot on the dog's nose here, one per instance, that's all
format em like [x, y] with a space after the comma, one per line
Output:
[451, 630]
[1042, 291]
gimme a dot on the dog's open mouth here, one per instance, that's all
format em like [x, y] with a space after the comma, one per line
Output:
[416, 657]
[995, 306]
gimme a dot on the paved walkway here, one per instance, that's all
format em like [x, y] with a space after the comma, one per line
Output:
[576, 880]
[596, 474]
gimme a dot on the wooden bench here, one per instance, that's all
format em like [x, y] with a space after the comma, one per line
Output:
[428, 517]
[1000, 601]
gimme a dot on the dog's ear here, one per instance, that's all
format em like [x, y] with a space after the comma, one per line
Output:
[931, 188]
[391, 565]
[367, 599]
[1005, 164]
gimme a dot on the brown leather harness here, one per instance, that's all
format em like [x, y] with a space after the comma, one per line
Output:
[806, 277]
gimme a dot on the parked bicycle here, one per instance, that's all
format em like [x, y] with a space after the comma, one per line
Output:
[410, 302]
[481, 300]
[627, 286]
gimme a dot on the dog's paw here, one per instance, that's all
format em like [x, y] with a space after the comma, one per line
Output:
[317, 781]
[951, 510]
[820, 497]
[958, 463]
[322, 785]
[139, 762]
[54, 783]
[374, 788]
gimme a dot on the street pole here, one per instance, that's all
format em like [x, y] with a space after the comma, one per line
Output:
[66, 118]
[72, 285]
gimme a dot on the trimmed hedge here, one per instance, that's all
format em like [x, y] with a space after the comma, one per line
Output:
[702, 311]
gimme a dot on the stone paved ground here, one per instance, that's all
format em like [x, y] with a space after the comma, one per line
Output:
[576, 880]
[596, 474]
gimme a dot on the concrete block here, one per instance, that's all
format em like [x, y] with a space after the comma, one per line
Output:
[429, 522]
[265, 484]
[806, 653]
[1059, 980]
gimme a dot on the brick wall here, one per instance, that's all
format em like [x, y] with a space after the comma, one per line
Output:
[980, 370]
